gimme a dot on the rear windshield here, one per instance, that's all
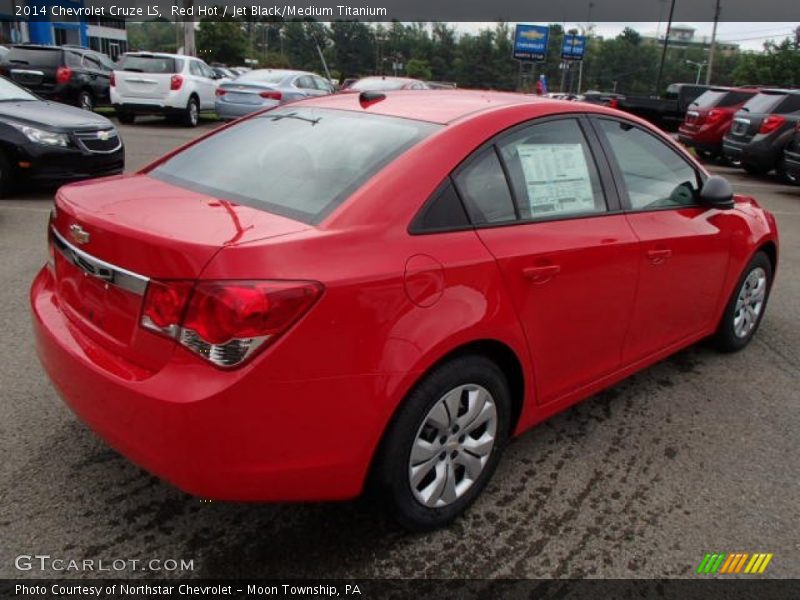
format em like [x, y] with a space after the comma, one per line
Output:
[763, 103]
[377, 84]
[150, 64]
[709, 98]
[263, 76]
[40, 57]
[298, 162]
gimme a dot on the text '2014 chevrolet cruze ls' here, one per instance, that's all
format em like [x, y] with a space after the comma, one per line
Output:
[381, 289]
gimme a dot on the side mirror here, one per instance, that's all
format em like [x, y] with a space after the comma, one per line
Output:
[717, 193]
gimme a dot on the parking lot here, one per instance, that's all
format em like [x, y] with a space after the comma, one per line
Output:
[696, 454]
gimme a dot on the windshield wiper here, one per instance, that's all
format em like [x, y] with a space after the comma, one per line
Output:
[292, 116]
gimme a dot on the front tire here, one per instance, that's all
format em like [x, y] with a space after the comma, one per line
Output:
[444, 443]
[191, 116]
[125, 117]
[746, 306]
[85, 101]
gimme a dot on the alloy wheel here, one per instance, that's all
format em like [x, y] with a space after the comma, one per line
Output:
[750, 302]
[453, 445]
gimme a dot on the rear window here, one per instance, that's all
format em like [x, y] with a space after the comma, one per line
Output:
[377, 84]
[39, 57]
[296, 162]
[763, 103]
[734, 98]
[140, 63]
[709, 99]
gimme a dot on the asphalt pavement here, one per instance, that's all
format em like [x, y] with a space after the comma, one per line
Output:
[697, 454]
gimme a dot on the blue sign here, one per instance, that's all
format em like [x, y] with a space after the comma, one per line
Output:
[530, 42]
[573, 47]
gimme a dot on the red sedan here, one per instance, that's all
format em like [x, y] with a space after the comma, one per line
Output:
[269, 315]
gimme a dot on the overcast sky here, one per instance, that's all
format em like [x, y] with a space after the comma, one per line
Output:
[750, 36]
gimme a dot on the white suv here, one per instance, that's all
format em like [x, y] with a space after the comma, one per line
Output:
[154, 83]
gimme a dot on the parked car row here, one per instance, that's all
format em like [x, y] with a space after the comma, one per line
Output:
[748, 127]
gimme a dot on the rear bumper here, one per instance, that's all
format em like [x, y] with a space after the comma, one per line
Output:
[145, 108]
[227, 435]
[692, 141]
[231, 110]
[759, 153]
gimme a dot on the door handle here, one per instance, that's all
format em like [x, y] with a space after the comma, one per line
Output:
[659, 255]
[541, 274]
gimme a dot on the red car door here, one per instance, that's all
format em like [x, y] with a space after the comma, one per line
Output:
[569, 263]
[684, 247]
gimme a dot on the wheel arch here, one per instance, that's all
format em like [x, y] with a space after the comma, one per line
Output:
[770, 248]
[495, 350]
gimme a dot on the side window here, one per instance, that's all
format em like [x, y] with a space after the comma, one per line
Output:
[655, 175]
[305, 82]
[552, 170]
[91, 63]
[72, 59]
[207, 71]
[322, 85]
[195, 68]
[483, 187]
[443, 212]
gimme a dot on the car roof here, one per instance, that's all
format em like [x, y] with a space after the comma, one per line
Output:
[159, 54]
[435, 106]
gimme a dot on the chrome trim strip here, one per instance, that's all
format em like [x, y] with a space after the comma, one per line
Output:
[112, 274]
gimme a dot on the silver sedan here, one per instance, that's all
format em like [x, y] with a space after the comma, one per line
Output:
[265, 88]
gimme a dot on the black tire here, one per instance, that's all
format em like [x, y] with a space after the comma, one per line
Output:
[390, 473]
[709, 155]
[191, 115]
[125, 117]
[725, 338]
[86, 100]
[755, 170]
[6, 176]
[792, 178]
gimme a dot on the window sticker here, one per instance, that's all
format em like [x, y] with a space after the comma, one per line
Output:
[556, 178]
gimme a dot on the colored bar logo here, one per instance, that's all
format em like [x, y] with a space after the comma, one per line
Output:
[738, 562]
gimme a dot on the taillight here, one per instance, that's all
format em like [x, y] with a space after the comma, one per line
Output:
[225, 322]
[221, 92]
[771, 123]
[613, 103]
[271, 95]
[715, 115]
[112, 81]
[63, 74]
[175, 82]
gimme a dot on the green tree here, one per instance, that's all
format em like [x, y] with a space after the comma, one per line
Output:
[418, 68]
[353, 48]
[221, 41]
[777, 65]
[159, 35]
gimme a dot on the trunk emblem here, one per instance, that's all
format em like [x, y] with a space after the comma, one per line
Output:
[78, 234]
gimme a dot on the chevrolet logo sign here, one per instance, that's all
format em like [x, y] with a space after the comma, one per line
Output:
[78, 234]
[103, 135]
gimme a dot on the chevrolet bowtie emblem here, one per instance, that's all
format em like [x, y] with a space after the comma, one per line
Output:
[78, 234]
[103, 135]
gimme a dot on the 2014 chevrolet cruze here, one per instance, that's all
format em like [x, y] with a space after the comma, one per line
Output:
[271, 314]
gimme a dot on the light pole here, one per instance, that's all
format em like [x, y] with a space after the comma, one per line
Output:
[699, 66]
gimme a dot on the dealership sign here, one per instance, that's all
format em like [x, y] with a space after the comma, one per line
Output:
[573, 47]
[530, 42]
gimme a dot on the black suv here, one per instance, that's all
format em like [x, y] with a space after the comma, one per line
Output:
[68, 74]
[762, 129]
[789, 168]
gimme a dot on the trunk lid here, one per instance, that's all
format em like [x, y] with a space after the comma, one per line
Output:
[112, 235]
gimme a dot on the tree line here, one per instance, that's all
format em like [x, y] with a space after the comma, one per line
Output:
[438, 52]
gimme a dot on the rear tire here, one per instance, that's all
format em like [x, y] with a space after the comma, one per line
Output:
[746, 306]
[125, 117]
[85, 100]
[191, 116]
[453, 456]
[787, 176]
[6, 176]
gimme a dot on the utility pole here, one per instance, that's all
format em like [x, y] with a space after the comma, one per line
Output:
[664, 50]
[188, 33]
[713, 47]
